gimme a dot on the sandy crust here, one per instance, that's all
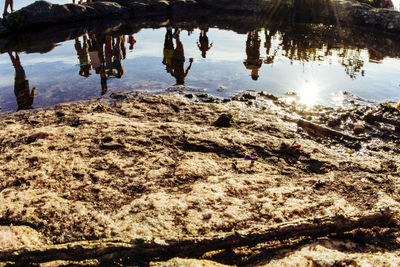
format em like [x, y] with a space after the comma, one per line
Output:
[153, 167]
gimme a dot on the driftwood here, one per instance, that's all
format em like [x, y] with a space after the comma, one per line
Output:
[326, 132]
[139, 250]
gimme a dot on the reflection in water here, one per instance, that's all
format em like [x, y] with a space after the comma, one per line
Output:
[309, 92]
[168, 50]
[315, 47]
[253, 61]
[106, 62]
[96, 54]
[83, 55]
[131, 41]
[174, 58]
[114, 52]
[270, 55]
[21, 84]
[288, 50]
[203, 43]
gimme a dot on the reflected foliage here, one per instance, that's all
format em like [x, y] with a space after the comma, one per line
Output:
[315, 45]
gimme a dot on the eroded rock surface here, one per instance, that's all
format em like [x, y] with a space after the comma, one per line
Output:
[153, 167]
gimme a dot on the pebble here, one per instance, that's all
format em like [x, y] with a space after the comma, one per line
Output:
[221, 89]
[207, 215]
[358, 128]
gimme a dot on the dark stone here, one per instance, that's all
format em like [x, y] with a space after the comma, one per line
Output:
[175, 108]
[269, 96]
[78, 176]
[32, 138]
[334, 122]
[111, 146]
[248, 96]
[353, 145]
[107, 139]
[318, 185]
[75, 123]
[224, 120]
[190, 96]
[60, 114]
[117, 96]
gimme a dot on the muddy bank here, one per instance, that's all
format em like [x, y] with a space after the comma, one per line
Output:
[341, 12]
[166, 168]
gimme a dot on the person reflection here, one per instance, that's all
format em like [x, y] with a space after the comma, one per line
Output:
[82, 51]
[131, 41]
[115, 51]
[119, 54]
[270, 55]
[203, 43]
[168, 50]
[178, 62]
[21, 84]
[108, 52]
[96, 53]
[253, 61]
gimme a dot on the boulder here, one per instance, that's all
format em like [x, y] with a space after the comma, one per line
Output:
[343, 12]
[45, 13]
[146, 7]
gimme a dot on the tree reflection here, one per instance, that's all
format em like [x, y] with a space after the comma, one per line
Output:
[314, 45]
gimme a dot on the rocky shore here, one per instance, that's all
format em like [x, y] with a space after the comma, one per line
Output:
[43, 14]
[252, 180]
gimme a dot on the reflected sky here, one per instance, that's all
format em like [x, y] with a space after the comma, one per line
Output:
[316, 74]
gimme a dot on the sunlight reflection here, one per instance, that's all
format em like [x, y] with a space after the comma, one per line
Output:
[396, 5]
[309, 92]
[338, 99]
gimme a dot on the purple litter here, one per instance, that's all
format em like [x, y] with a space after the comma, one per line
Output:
[248, 157]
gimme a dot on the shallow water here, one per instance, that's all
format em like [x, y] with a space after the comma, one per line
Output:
[271, 59]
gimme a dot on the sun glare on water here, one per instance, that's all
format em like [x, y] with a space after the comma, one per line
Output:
[308, 93]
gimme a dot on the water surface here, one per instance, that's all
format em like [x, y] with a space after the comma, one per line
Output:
[302, 59]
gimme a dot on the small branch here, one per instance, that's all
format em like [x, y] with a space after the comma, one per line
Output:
[138, 250]
[324, 131]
